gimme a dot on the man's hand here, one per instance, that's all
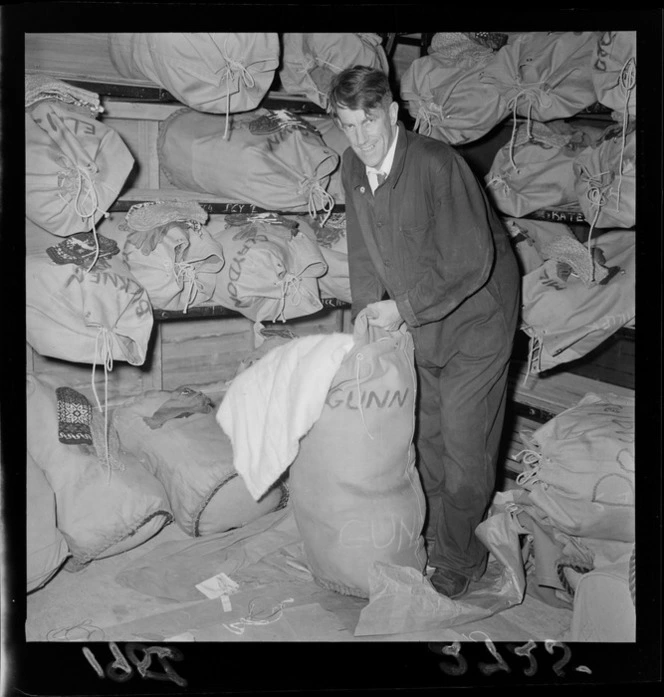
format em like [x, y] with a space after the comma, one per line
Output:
[384, 314]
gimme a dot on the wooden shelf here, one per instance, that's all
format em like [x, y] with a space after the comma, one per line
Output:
[219, 311]
[212, 204]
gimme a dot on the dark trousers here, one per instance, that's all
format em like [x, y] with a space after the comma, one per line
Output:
[461, 411]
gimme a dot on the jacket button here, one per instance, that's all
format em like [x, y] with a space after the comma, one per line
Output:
[362, 189]
[379, 224]
[387, 263]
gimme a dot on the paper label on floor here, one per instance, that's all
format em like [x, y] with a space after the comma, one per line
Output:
[218, 585]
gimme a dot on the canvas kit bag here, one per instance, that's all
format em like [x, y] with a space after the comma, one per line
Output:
[270, 158]
[211, 72]
[75, 166]
[355, 492]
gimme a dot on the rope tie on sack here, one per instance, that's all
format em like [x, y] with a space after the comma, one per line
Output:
[105, 351]
[359, 357]
[499, 180]
[233, 70]
[82, 197]
[289, 286]
[533, 461]
[425, 117]
[317, 197]
[598, 196]
[258, 617]
[186, 277]
[533, 95]
[627, 84]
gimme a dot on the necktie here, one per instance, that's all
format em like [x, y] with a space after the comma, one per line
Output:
[381, 178]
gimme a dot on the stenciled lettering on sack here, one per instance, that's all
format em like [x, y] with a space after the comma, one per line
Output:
[368, 399]
[235, 269]
[606, 39]
[379, 534]
[124, 283]
[73, 123]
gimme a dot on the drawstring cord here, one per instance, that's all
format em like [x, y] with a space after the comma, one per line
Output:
[597, 195]
[532, 460]
[425, 115]
[627, 84]
[233, 70]
[258, 617]
[82, 196]
[185, 275]
[533, 95]
[497, 180]
[106, 354]
[359, 357]
[317, 197]
[289, 284]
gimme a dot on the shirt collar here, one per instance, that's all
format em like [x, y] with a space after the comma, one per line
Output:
[386, 166]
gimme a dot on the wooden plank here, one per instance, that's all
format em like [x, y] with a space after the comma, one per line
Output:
[212, 204]
[115, 108]
[551, 393]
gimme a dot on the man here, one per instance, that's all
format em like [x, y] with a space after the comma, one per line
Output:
[421, 232]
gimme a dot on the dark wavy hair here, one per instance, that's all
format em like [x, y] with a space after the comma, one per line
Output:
[359, 87]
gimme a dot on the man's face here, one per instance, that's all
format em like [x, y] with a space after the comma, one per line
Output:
[370, 132]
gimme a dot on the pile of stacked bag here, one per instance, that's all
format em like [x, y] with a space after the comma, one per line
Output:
[93, 278]
[573, 513]
[574, 294]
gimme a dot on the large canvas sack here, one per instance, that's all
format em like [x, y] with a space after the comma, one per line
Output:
[310, 61]
[75, 167]
[94, 316]
[272, 269]
[176, 437]
[587, 451]
[614, 72]
[211, 72]
[46, 548]
[273, 159]
[535, 169]
[450, 103]
[105, 505]
[181, 271]
[566, 319]
[545, 75]
[605, 180]
[355, 492]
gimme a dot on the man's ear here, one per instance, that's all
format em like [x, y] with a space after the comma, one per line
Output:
[394, 113]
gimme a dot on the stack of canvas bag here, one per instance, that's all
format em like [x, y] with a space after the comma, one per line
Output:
[354, 488]
[605, 179]
[272, 269]
[272, 159]
[535, 170]
[211, 72]
[75, 165]
[106, 502]
[310, 61]
[175, 436]
[172, 254]
[566, 317]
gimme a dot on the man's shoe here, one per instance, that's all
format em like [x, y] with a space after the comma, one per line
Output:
[450, 583]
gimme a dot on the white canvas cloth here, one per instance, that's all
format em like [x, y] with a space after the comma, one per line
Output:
[272, 404]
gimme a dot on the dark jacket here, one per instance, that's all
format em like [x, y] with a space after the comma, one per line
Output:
[428, 236]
